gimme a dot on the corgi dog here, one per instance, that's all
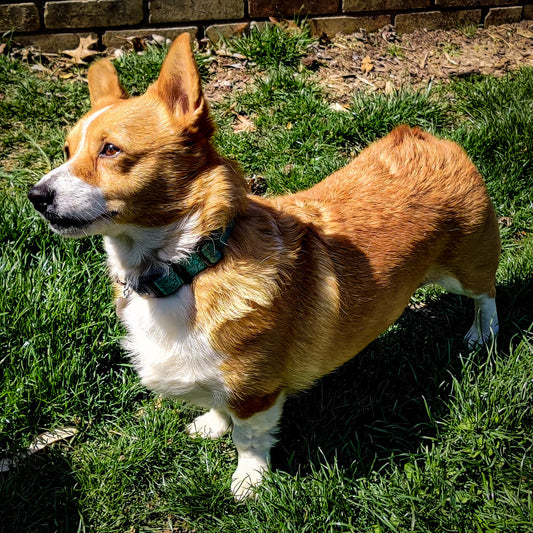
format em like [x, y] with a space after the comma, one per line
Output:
[233, 301]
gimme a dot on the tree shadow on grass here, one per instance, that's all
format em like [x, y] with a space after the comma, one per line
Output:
[383, 403]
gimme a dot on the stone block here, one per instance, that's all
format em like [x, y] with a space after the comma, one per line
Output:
[434, 20]
[122, 38]
[503, 15]
[216, 32]
[92, 13]
[53, 42]
[383, 5]
[331, 26]
[187, 10]
[473, 3]
[19, 17]
[290, 8]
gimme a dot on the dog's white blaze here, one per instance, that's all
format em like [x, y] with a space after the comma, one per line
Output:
[127, 245]
[84, 128]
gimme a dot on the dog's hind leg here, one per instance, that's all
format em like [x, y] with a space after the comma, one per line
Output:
[485, 324]
[468, 267]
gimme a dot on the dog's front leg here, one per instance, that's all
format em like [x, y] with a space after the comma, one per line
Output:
[253, 438]
[210, 425]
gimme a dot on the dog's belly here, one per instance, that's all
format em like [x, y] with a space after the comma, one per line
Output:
[170, 357]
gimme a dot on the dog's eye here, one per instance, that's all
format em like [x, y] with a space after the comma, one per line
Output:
[110, 150]
[66, 152]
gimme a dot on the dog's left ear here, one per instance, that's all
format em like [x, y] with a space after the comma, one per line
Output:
[180, 87]
[104, 85]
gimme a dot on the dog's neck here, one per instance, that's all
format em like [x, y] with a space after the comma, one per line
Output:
[135, 252]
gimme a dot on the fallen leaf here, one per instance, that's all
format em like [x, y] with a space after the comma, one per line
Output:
[238, 30]
[39, 443]
[287, 169]
[389, 88]
[243, 124]
[367, 65]
[50, 437]
[257, 184]
[338, 107]
[139, 43]
[505, 221]
[83, 51]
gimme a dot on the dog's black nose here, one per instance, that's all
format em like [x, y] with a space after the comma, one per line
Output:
[41, 197]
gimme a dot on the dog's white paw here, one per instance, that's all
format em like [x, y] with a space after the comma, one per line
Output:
[246, 479]
[480, 334]
[485, 326]
[474, 338]
[210, 425]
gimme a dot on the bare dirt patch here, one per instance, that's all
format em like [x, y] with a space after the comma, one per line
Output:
[388, 62]
[382, 61]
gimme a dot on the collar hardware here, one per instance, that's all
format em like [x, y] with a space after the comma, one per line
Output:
[208, 253]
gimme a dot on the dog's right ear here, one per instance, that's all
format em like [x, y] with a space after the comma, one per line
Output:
[104, 86]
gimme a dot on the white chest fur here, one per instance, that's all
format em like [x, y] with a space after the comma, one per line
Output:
[171, 358]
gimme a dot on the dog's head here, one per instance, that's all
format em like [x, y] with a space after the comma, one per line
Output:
[145, 161]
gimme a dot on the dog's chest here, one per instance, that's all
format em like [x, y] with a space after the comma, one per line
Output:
[171, 357]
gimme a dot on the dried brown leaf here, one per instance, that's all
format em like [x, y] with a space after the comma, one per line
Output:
[78, 55]
[243, 124]
[367, 65]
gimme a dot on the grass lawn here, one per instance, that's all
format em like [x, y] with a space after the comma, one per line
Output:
[414, 434]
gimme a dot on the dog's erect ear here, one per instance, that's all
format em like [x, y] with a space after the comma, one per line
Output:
[104, 85]
[180, 87]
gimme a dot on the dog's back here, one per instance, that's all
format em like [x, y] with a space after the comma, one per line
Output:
[332, 267]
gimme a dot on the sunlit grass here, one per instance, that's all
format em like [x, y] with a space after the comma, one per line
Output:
[415, 434]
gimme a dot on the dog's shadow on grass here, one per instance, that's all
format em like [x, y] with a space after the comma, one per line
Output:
[384, 402]
[43, 495]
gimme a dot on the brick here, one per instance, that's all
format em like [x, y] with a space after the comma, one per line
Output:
[528, 12]
[53, 42]
[434, 20]
[187, 10]
[290, 8]
[120, 38]
[218, 31]
[19, 17]
[92, 13]
[383, 5]
[473, 3]
[503, 15]
[331, 26]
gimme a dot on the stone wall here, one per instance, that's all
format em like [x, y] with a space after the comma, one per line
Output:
[58, 24]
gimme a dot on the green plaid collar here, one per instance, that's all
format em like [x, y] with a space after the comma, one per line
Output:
[208, 253]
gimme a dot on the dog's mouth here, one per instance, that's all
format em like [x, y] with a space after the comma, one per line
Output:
[72, 225]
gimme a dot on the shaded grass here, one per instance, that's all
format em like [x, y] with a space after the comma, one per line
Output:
[415, 434]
